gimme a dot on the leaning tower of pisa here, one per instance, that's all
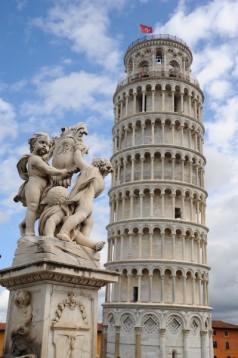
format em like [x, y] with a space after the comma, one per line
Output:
[157, 235]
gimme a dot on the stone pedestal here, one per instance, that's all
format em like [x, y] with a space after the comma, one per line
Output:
[53, 303]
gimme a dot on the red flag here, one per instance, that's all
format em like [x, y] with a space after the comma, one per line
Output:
[146, 29]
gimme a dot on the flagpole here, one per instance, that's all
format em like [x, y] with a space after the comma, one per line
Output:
[138, 29]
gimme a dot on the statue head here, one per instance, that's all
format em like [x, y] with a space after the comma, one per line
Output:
[76, 131]
[22, 298]
[72, 297]
[80, 129]
[104, 165]
[37, 138]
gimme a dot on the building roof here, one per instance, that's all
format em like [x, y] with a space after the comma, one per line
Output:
[2, 326]
[221, 324]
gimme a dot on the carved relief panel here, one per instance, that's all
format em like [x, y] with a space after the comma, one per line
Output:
[72, 333]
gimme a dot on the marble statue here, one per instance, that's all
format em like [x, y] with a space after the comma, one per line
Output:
[37, 174]
[65, 215]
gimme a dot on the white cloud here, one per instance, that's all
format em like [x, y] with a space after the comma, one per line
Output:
[87, 26]
[45, 74]
[4, 218]
[222, 249]
[9, 179]
[213, 63]
[18, 86]
[8, 125]
[73, 92]
[21, 4]
[216, 19]
[226, 20]
[13, 87]
[220, 89]
[101, 300]
[222, 208]
[222, 131]
[67, 61]
[99, 146]
[3, 86]
[218, 162]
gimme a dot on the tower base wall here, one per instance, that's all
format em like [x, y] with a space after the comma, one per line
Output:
[157, 332]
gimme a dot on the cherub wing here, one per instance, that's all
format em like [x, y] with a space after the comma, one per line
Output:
[22, 167]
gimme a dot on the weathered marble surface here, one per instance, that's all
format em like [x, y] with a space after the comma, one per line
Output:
[59, 317]
[37, 248]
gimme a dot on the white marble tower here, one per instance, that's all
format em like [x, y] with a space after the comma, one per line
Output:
[157, 235]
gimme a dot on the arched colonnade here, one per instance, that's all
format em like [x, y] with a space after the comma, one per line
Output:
[163, 164]
[176, 285]
[157, 201]
[158, 131]
[158, 97]
[157, 243]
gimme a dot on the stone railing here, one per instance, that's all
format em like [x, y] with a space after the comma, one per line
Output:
[170, 74]
[158, 36]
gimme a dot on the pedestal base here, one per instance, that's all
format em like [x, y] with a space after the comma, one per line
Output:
[53, 306]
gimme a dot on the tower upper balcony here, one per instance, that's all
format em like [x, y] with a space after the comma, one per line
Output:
[156, 56]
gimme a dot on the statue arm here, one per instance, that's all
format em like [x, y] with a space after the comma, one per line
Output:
[44, 167]
[49, 155]
[78, 158]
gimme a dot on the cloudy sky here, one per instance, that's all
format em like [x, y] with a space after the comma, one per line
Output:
[60, 61]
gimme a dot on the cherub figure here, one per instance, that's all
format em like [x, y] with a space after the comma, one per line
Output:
[23, 334]
[22, 300]
[37, 174]
[88, 186]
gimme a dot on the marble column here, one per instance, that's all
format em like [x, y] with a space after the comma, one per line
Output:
[186, 343]
[162, 342]
[138, 342]
[117, 341]
[204, 344]
[104, 341]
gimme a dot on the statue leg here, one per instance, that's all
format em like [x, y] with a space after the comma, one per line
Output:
[82, 237]
[71, 222]
[22, 227]
[33, 194]
[87, 226]
[52, 222]
[30, 219]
